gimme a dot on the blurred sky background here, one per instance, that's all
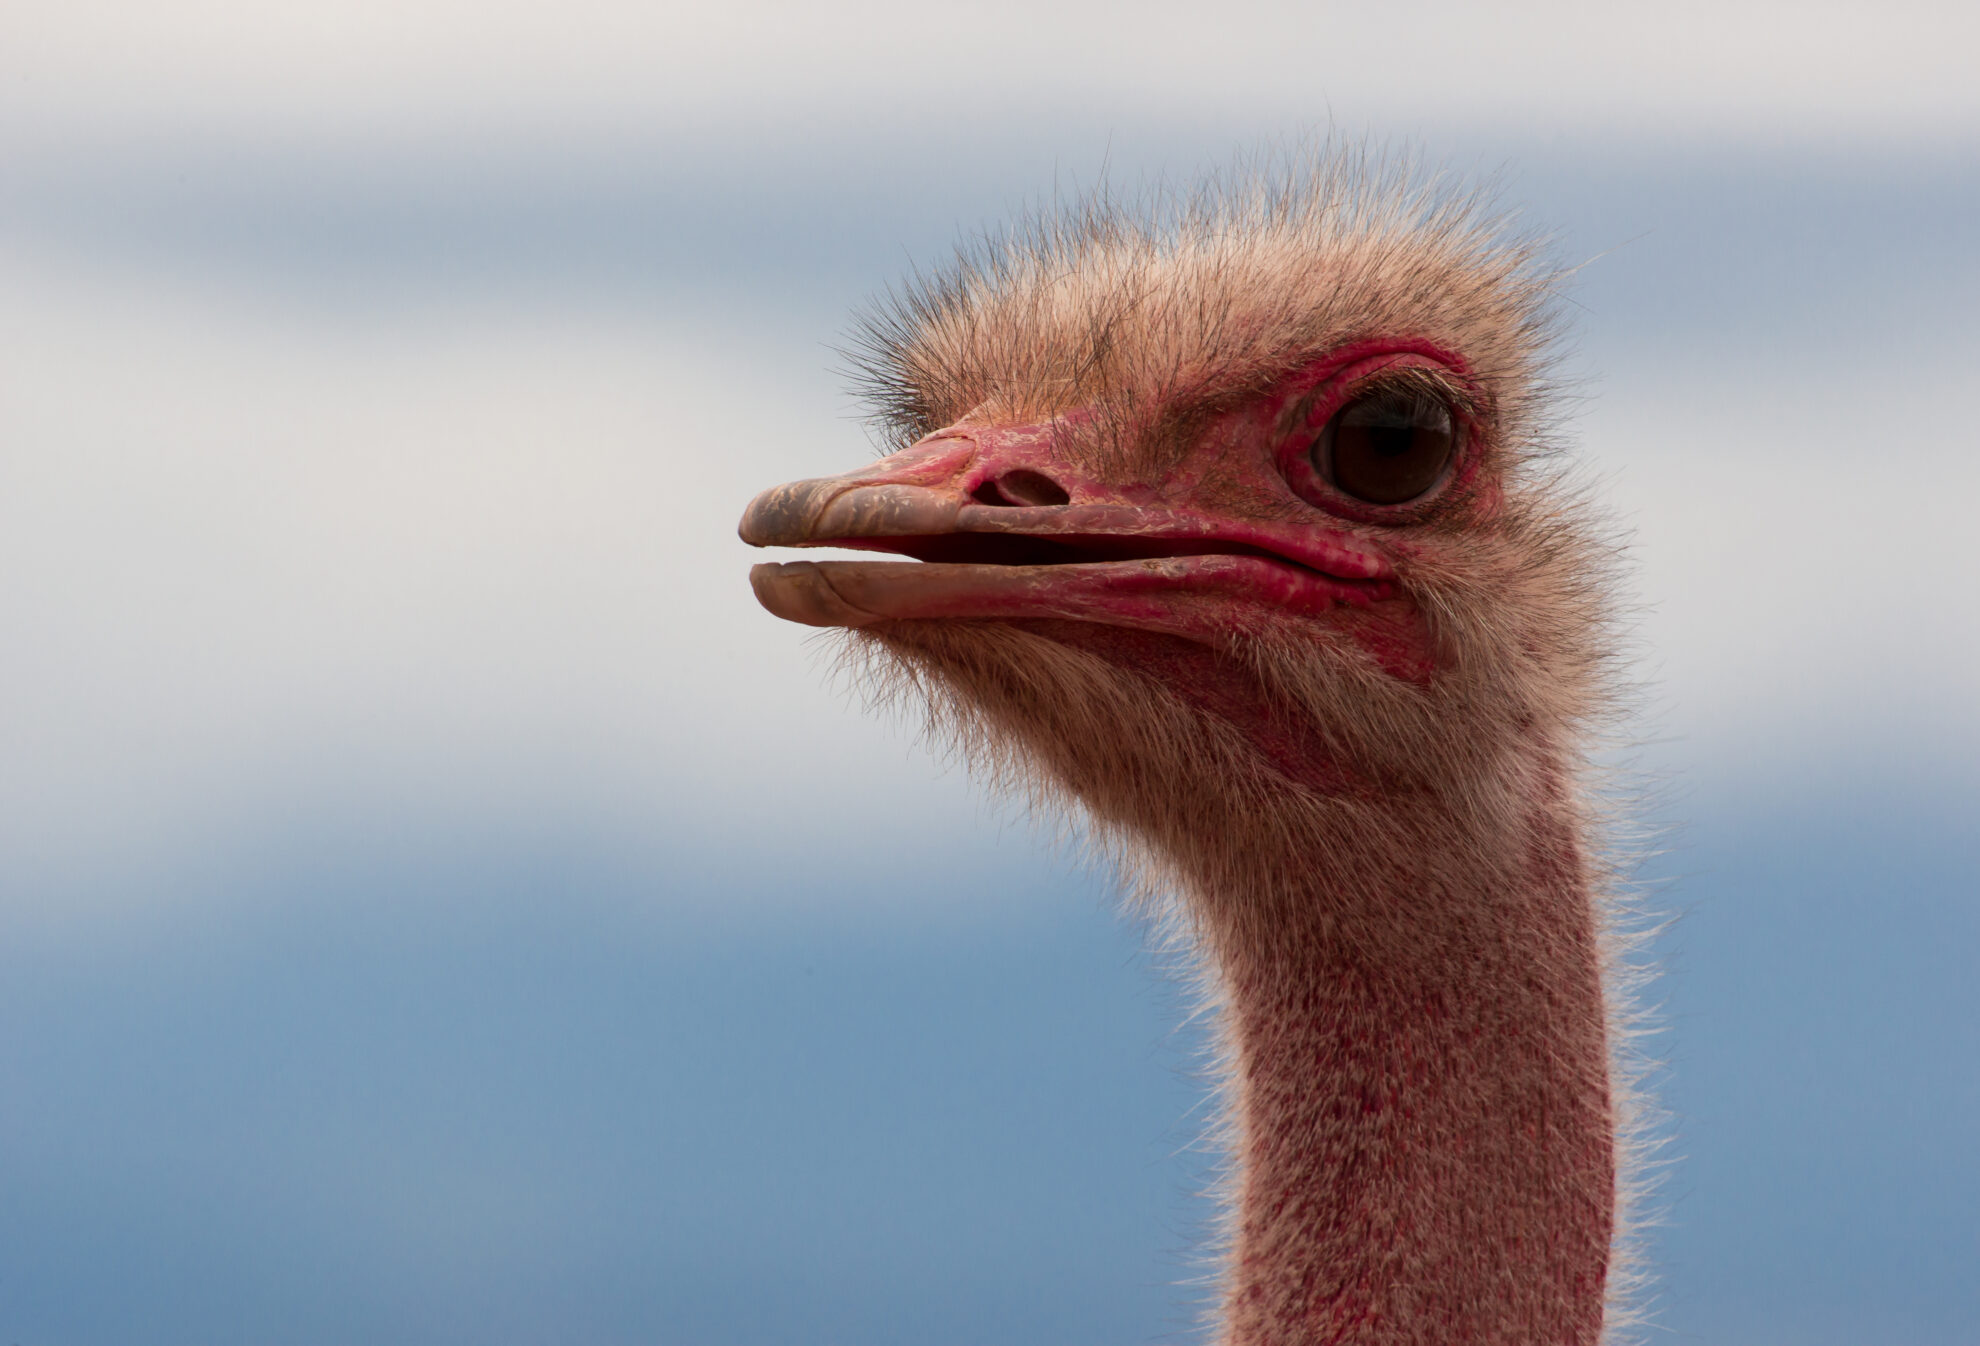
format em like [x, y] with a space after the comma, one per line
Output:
[437, 905]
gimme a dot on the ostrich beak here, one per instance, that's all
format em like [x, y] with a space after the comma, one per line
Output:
[1005, 530]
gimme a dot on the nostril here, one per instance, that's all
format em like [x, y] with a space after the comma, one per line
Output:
[1021, 488]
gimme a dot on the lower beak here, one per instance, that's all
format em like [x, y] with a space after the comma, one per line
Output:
[1193, 596]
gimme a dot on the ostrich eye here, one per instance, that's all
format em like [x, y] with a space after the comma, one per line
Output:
[1387, 447]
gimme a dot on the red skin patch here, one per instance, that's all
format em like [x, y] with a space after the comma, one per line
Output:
[1241, 536]
[1306, 400]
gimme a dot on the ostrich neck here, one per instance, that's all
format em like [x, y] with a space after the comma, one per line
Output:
[1421, 1098]
[1412, 984]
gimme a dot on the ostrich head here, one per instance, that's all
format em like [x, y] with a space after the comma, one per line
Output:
[1237, 533]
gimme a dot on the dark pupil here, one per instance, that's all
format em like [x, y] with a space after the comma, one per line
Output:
[1389, 441]
[1387, 448]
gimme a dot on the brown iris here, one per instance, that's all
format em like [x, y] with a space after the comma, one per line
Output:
[1387, 447]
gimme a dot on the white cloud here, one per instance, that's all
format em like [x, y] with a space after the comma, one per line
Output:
[1804, 549]
[464, 564]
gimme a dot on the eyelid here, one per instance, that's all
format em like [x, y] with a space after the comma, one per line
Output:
[1311, 413]
[1410, 379]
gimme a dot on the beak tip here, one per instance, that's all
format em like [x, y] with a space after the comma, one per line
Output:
[780, 517]
[798, 592]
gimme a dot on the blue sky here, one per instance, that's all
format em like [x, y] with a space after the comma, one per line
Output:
[438, 905]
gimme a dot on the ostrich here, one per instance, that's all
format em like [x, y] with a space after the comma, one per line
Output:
[1238, 538]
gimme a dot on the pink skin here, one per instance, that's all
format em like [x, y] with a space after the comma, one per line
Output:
[1180, 547]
